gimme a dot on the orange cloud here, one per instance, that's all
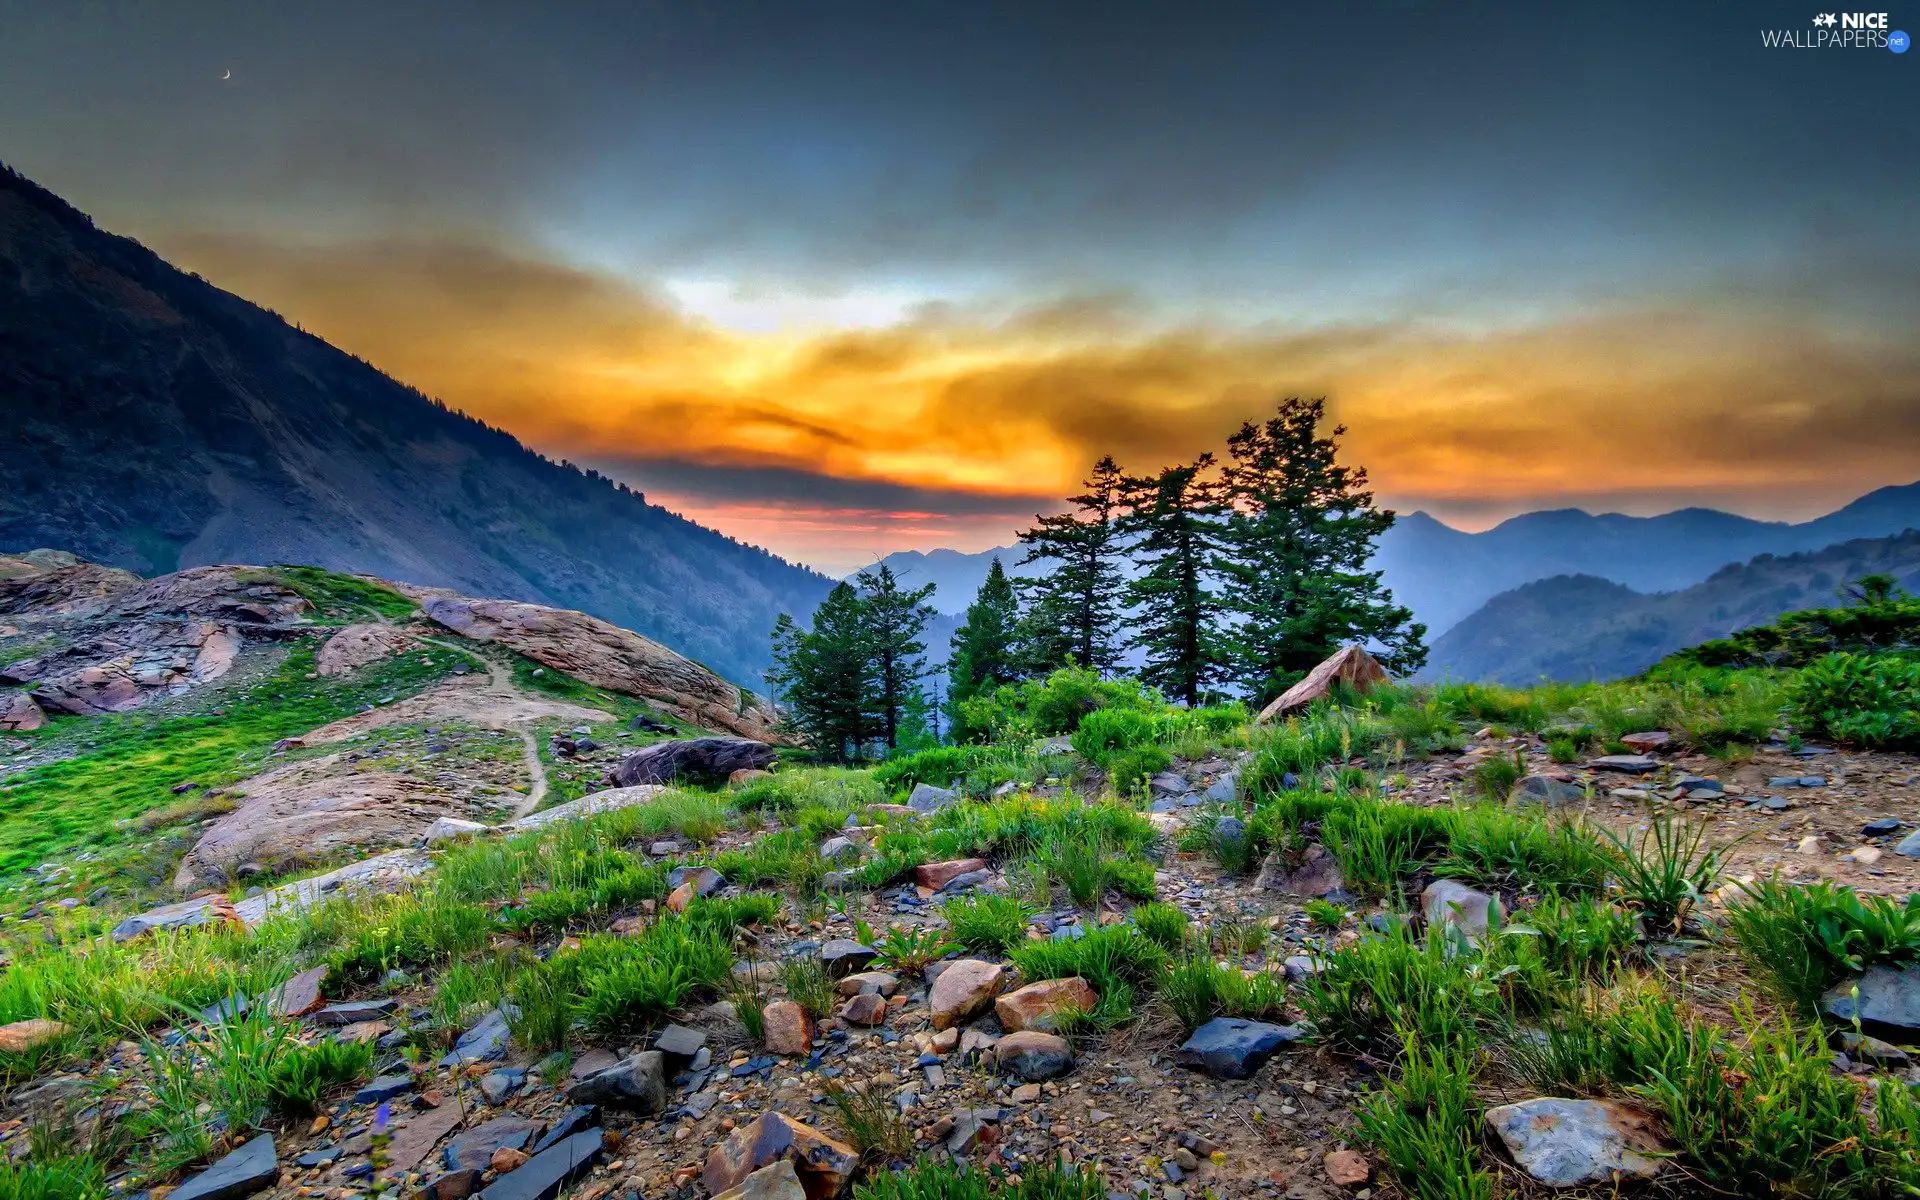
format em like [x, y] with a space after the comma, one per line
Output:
[1664, 404]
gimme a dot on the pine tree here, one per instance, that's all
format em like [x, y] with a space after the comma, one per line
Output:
[1177, 518]
[1074, 611]
[983, 648]
[825, 675]
[1297, 539]
[894, 618]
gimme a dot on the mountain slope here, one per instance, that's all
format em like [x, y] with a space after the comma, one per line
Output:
[153, 421]
[1575, 627]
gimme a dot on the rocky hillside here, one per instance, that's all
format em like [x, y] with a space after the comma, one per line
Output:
[154, 422]
[1578, 627]
[228, 721]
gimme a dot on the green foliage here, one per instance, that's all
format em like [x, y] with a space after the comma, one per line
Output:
[1164, 924]
[1372, 992]
[1504, 848]
[336, 597]
[1880, 619]
[1107, 731]
[1325, 914]
[1113, 959]
[1299, 531]
[624, 984]
[984, 651]
[303, 1075]
[987, 924]
[941, 1179]
[410, 930]
[1175, 519]
[1867, 700]
[1426, 1123]
[1197, 989]
[1665, 870]
[65, 1179]
[826, 677]
[1055, 704]
[1132, 878]
[809, 984]
[1129, 770]
[1801, 941]
[1494, 778]
[872, 1123]
[909, 950]
[1604, 1041]
[938, 765]
[544, 996]
[1073, 612]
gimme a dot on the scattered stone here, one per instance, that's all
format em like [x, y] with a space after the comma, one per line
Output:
[1234, 1047]
[1909, 845]
[576, 1120]
[836, 848]
[966, 987]
[705, 880]
[844, 956]
[1866, 856]
[1885, 1000]
[747, 775]
[1570, 1143]
[1317, 874]
[637, 1083]
[938, 875]
[1645, 743]
[357, 1011]
[496, 1086]
[777, 1182]
[299, 995]
[1447, 902]
[454, 1185]
[680, 897]
[1041, 1005]
[824, 1166]
[474, 1149]
[926, 799]
[21, 713]
[415, 1139]
[789, 1030]
[1033, 1055]
[487, 1040]
[1870, 1049]
[1547, 790]
[1626, 764]
[1813, 843]
[1224, 790]
[384, 1088]
[506, 1158]
[22, 1036]
[866, 1009]
[254, 1166]
[1346, 1168]
[679, 1045]
[883, 983]
[551, 1171]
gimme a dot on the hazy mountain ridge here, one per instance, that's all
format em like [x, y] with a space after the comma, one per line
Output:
[153, 421]
[1577, 627]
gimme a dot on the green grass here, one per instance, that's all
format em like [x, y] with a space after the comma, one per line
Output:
[1426, 1123]
[987, 924]
[336, 597]
[1800, 941]
[126, 765]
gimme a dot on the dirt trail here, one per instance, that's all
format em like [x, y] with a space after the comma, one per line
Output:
[501, 684]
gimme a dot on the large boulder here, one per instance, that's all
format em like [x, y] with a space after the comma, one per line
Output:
[356, 646]
[610, 657]
[1352, 666]
[824, 1165]
[964, 989]
[637, 1082]
[1572, 1143]
[702, 758]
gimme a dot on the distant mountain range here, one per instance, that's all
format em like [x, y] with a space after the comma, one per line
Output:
[1575, 627]
[1444, 574]
[152, 421]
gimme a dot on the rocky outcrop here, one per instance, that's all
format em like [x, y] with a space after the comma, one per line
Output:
[126, 665]
[19, 713]
[358, 645]
[705, 758]
[1352, 666]
[76, 587]
[610, 657]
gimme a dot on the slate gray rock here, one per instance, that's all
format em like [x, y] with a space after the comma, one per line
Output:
[1316, 874]
[1228, 830]
[484, 1042]
[1887, 1005]
[1568, 1143]
[637, 1083]
[577, 1120]
[925, 798]
[1224, 790]
[252, 1168]
[386, 1087]
[473, 1149]
[355, 1012]
[1864, 1048]
[706, 881]
[845, 956]
[679, 1044]
[1881, 827]
[1909, 845]
[551, 1171]
[1234, 1047]
[1626, 764]
[1548, 791]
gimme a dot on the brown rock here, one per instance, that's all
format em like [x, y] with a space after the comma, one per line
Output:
[966, 987]
[777, 1182]
[1041, 1005]
[1317, 873]
[886, 983]
[610, 657]
[363, 1031]
[22, 1036]
[358, 645]
[1352, 666]
[938, 875]
[789, 1028]
[21, 714]
[1646, 743]
[823, 1165]
[506, 1158]
[1346, 1168]
[680, 897]
[299, 995]
[415, 1139]
[869, 1008]
[593, 1062]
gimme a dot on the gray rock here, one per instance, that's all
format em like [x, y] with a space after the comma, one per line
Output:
[679, 1044]
[925, 798]
[496, 1086]
[1881, 827]
[354, 1013]
[777, 1182]
[1229, 829]
[1165, 804]
[1887, 1002]
[1909, 845]
[549, 1172]
[1548, 791]
[836, 848]
[386, 1087]
[1318, 873]
[1870, 1049]
[1166, 783]
[1626, 764]
[1696, 783]
[1233, 1047]
[1447, 902]
[577, 1120]
[484, 1042]
[251, 1168]
[1224, 790]
[966, 881]
[473, 1148]
[844, 956]
[1568, 1143]
[706, 880]
[638, 1083]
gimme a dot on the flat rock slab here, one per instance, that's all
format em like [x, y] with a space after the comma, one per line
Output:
[549, 1172]
[1548, 791]
[777, 1182]
[1234, 1047]
[252, 1168]
[299, 995]
[578, 1119]
[473, 1150]
[1626, 764]
[845, 956]
[1570, 1143]
[419, 1134]
[1887, 1004]
[610, 800]
[485, 1041]
[638, 1083]
[355, 1012]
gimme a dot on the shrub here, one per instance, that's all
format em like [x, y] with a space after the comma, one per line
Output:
[1495, 777]
[1503, 848]
[1325, 914]
[1369, 993]
[939, 766]
[1108, 731]
[545, 1004]
[1801, 941]
[1665, 871]
[1867, 700]
[1197, 989]
[74, 1178]
[939, 1179]
[809, 984]
[874, 1125]
[626, 984]
[1129, 770]
[987, 924]
[303, 1075]
[1425, 1123]
[1132, 878]
[1163, 923]
[909, 950]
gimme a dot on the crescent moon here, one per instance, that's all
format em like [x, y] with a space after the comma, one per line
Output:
[228, 74]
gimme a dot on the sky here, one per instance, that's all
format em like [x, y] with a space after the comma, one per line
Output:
[846, 278]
